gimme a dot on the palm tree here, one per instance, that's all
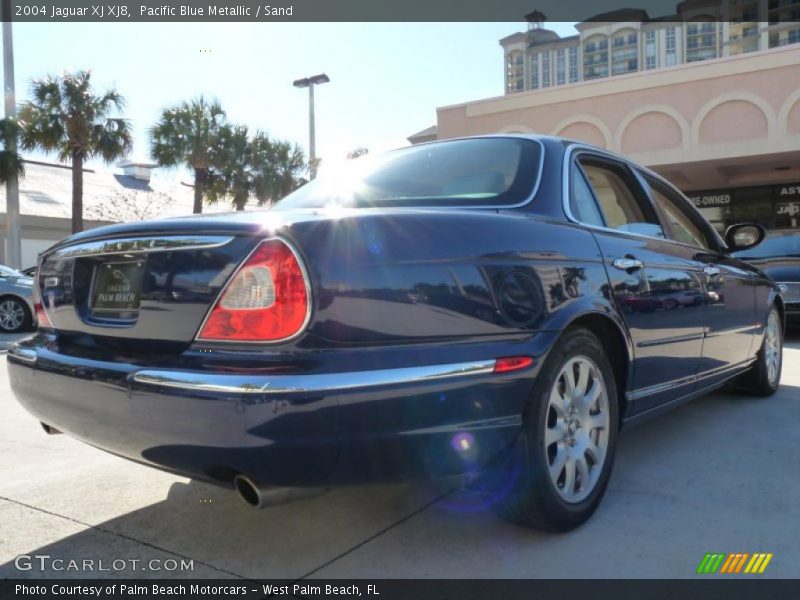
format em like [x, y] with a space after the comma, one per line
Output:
[254, 167]
[237, 173]
[66, 117]
[286, 166]
[189, 134]
[10, 161]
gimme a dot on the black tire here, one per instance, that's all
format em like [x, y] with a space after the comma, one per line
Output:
[535, 499]
[22, 323]
[757, 379]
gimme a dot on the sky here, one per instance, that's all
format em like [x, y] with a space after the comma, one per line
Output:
[387, 79]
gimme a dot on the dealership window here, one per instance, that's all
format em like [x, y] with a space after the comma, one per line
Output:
[535, 71]
[573, 64]
[561, 66]
[774, 207]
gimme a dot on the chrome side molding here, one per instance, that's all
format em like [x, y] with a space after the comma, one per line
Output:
[141, 244]
[287, 384]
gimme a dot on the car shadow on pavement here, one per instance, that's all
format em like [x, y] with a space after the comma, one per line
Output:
[223, 536]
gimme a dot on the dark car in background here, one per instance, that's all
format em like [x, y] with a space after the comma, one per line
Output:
[778, 256]
[493, 307]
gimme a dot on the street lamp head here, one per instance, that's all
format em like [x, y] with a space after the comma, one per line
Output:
[321, 78]
[315, 80]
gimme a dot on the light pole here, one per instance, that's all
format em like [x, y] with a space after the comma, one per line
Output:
[13, 255]
[310, 82]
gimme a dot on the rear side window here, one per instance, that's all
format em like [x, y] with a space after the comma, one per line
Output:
[470, 172]
[619, 198]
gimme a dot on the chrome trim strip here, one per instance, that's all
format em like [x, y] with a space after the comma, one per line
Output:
[25, 355]
[663, 387]
[140, 244]
[287, 384]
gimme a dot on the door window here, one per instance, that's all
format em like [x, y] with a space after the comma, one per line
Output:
[680, 225]
[619, 199]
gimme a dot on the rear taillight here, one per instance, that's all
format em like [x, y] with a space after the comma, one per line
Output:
[42, 318]
[266, 300]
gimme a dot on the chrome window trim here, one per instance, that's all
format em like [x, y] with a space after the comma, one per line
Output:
[578, 148]
[304, 383]
[133, 245]
[309, 297]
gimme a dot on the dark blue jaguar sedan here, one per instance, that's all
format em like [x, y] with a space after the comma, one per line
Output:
[495, 307]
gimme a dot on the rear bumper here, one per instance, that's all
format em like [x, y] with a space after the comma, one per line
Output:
[290, 429]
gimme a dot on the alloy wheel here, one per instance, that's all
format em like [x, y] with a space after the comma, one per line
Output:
[12, 315]
[576, 429]
[773, 348]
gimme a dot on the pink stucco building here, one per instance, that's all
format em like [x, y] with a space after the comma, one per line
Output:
[725, 130]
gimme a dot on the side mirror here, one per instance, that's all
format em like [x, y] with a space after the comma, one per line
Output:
[744, 235]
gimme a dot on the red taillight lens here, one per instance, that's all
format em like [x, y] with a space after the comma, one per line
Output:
[512, 363]
[267, 299]
[42, 317]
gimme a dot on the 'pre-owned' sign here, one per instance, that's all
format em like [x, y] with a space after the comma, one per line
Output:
[707, 199]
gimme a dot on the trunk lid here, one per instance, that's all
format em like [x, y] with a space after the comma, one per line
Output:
[151, 281]
[144, 286]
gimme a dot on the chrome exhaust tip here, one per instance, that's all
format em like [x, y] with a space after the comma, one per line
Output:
[261, 496]
[49, 429]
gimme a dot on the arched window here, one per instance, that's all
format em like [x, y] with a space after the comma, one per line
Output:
[595, 57]
[625, 52]
[701, 39]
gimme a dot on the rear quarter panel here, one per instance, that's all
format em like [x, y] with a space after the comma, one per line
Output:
[428, 287]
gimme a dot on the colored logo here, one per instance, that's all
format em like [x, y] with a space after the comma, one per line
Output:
[741, 562]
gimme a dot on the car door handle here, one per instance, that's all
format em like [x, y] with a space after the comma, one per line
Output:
[711, 271]
[627, 263]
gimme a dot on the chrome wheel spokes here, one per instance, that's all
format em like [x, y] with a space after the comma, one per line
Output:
[576, 429]
[11, 315]
[773, 348]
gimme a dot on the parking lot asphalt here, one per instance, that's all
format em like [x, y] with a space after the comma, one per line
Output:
[719, 474]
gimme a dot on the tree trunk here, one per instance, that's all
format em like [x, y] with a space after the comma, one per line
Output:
[240, 200]
[199, 189]
[77, 191]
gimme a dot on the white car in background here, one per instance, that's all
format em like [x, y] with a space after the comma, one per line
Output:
[16, 301]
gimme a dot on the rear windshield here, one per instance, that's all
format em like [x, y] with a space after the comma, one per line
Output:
[473, 172]
[784, 244]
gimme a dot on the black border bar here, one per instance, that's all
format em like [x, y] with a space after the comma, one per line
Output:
[712, 587]
[351, 10]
